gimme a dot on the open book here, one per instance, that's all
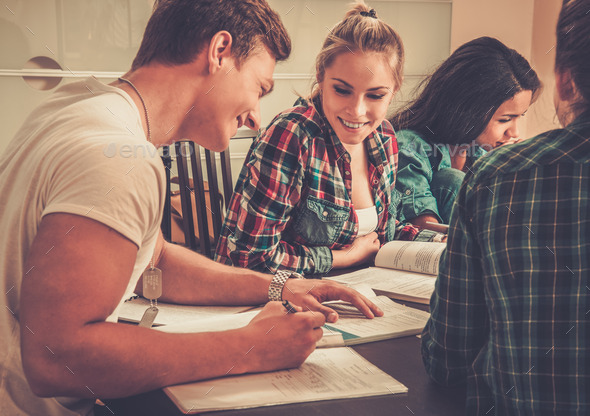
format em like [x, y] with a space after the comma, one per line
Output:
[404, 270]
[352, 328]
[338, 373]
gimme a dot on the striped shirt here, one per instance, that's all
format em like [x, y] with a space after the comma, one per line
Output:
[292, 206]
[510, 314]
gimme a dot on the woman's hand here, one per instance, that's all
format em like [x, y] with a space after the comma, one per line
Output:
[509, 141]
[310, 293]
[362, 250]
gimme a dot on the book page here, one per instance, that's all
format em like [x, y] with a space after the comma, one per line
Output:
[132, 310]
[397, 284]
[397, 321]
[411, 256]
[335, 373]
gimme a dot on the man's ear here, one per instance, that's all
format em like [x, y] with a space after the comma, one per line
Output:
[566, 89]
[219, 50]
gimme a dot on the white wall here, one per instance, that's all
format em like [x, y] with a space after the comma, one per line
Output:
[80, 39]
[102, 36]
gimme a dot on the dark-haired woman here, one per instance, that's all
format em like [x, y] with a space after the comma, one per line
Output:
[469, 105]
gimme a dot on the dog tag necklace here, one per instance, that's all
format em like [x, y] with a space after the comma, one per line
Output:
[152, 290]
[152, 277]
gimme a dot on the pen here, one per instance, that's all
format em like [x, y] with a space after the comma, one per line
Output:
[289, 307]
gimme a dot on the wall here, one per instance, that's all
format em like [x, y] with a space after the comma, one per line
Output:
[102, 36]
[542, 117]
[39, 27]
[508, 20]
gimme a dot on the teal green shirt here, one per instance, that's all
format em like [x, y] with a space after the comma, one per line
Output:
[418, 161]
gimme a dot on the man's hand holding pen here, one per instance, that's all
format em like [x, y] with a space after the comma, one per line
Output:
[283, 334]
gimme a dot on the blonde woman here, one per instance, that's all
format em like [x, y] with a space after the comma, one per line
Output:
[316, 189]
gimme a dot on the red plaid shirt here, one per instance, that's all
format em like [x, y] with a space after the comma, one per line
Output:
[292, 204]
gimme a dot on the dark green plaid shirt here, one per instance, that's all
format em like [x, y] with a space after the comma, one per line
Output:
[511, 308]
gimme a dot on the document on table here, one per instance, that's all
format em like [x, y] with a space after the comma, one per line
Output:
[133, 309]
[351, 328]
[327, 374]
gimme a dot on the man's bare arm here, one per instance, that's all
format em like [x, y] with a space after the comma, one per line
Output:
[190, 278]
[75, 280]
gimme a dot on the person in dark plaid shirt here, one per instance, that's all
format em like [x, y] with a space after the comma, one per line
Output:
[510, 314]
[317, 188]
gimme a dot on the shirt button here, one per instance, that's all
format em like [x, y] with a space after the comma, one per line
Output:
[356, 229]
[380, 208]
[347, 173]
[325, 213]
[408, 192]
[375, 181]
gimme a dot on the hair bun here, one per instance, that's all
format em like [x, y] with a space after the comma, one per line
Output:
[371, 13]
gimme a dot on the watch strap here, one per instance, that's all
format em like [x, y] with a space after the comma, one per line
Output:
[275, 289]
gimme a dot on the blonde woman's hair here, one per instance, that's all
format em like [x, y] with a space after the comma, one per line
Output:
[361, 31]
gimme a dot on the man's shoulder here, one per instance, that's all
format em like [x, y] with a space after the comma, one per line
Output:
[87, 125]
[548, 148]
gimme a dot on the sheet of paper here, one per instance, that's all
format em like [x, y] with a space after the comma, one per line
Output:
[363, 289]
[211, 323]
[411, 256]
[391, 282]
[397, 321]
[132, 311]
[335, 373]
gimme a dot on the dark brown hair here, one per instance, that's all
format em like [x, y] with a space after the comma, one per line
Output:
[458, 100]
[179, 29]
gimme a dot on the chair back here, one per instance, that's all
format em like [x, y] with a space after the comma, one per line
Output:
[201, 202]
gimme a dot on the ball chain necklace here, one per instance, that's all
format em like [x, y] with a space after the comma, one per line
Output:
[152, 277]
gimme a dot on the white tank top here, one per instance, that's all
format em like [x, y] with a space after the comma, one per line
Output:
[367, 220]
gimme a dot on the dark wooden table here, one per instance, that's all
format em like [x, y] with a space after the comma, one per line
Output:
[398, 357]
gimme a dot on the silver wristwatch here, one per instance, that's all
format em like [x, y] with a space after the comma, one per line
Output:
[275, 289]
